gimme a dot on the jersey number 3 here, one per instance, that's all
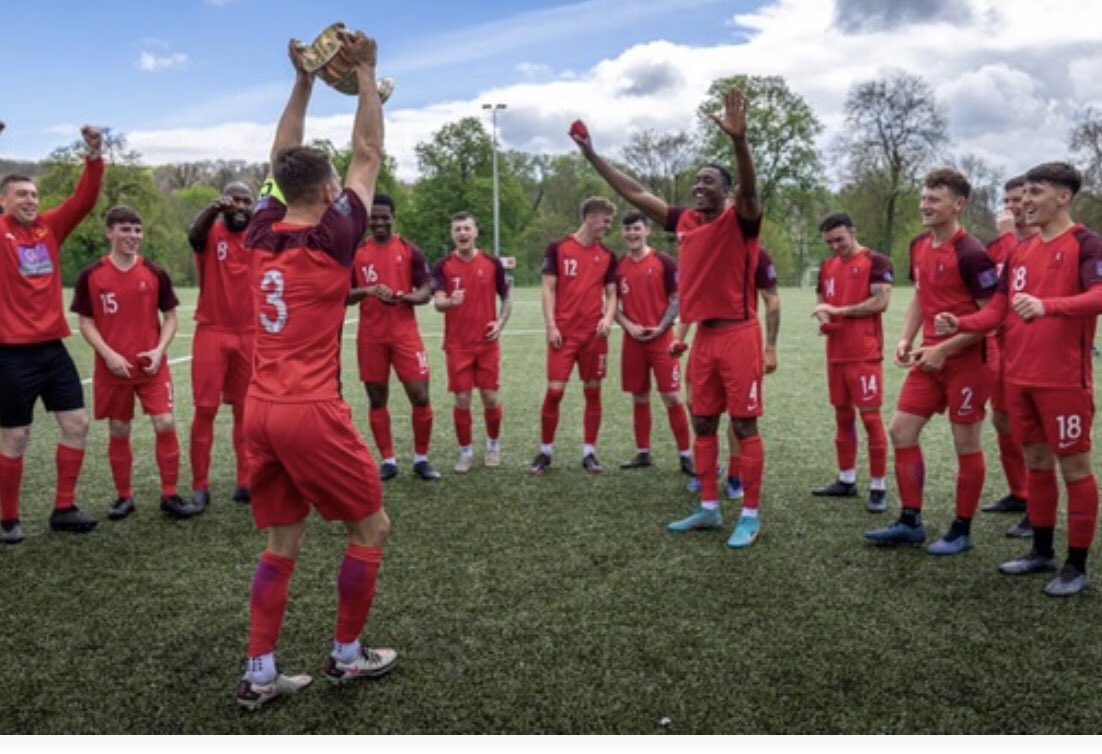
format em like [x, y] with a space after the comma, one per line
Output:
[273, 282]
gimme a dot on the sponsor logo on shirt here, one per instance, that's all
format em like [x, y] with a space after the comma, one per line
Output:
[35, 261]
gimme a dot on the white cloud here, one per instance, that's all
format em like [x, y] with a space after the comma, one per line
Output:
[1011, 78]
[151, 62]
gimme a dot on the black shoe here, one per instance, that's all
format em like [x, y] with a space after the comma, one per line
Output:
[175, 507]
[71, 519]
[122, 508]
[638, 461]
[425, 470]
[387, 470]
[878, 501]
[242, 495]
[1021, 530]
[687, 465]
[837, 488]
[591, 464]
[539, 464]
[1008, 504]
[200, 499]
[11, 532]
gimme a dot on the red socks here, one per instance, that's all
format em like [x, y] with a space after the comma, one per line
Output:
[641, 422]
[168, 461]
[549, 415]
[68, 469]
[679, 423]
[751, 469]
[379, 419]
[705, 457]
[910, 475]
[422, 429]
[971, 469]
[240, 447]
[462, 419]
[493, 421]
[592, 421]
[1010, 453]
[1082, 511]
[202, 438]
[878, 444]
[845, 438]
[267, 602]
[121, 458]
[356, 590]
[11, 477]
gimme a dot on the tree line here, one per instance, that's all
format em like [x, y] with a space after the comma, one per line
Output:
[895, 130]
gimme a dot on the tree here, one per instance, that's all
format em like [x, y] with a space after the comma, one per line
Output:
[1085, 141]
[983, 204]
[894, 126]
[662, 162]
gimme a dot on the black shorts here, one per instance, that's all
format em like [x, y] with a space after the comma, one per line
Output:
[39, 369]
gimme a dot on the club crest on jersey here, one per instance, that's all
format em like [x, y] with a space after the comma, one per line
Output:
[35, 261]
[940, 268]
[1057, 258]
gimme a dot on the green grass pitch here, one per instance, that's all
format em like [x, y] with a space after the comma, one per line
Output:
[557, 604]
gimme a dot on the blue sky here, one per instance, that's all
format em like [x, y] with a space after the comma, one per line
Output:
[200, 79]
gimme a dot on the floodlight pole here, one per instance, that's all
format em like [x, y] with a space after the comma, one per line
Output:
[497, 211]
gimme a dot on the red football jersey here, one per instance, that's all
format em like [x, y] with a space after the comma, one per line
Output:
[581, 273]
[124, 305]
[31, 310]
[225, 301]
[645, 286]
[482, 280]
[1000, 249]
[300, 282]
[1051, 351]
[845, 282]
[400, 266]
[950, 277]
[716, 264]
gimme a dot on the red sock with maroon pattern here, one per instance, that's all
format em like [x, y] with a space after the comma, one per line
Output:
[268, 602]
[168, 460]
[356, 590]
[705, 457]
[910, 475]
[1082, 511]
[1042, 497]
[592, 419]
[845, 438]
[462, 419]
[971, 470]
[493, 421]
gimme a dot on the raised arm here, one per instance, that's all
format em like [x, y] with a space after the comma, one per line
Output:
[621, 182]
[292, 123]
[733, 123]
[204, 221]
[367, 128]
[69, 214]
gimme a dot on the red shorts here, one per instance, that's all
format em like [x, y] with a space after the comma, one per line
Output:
[962, 385]
[725, 369]
[221, 366]
[638, 359]
[471, 368]
[407, 354]
[859, 384]
[114, 399]
[305, 454]
[1058, 417]
[590, 353]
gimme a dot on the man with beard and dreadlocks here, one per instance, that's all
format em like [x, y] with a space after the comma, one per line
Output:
[222, 349]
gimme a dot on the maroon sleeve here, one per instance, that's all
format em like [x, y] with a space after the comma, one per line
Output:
[82, 296]
[1090, 258]
[341, 227]
[166, 294]
[765, 275]
[438, 282]
[269, 210]
[977, 268]
[501, 283]
[881, 268]
[673, 216]
[551, 258]
[613, 266]
[669, 273]
[419, 268]
[64, 218]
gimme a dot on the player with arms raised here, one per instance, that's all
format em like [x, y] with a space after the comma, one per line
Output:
[718, 252]
[466, 285]
[302, 444]
[1048, 301]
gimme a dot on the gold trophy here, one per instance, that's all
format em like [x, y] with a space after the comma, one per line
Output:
[323, 58]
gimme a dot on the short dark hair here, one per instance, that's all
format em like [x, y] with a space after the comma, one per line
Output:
[464, 215]
[13, 178]
[1016, 182]
[635, 216]
[121, 214]
[597, 205]
[1061, 174]
[237, 186]
[301, 172]
[724, 173]
[835, 220]
[384, 200]
[949, 178]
